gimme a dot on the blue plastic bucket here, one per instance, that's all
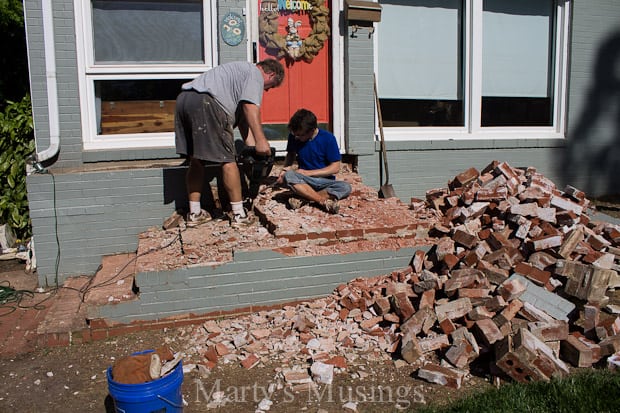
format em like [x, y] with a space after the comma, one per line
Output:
[158, 396]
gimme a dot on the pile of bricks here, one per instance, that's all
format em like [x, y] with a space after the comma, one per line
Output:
[513, 256]
[517, 282]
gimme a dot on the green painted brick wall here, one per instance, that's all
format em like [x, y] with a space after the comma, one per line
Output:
[252, 279]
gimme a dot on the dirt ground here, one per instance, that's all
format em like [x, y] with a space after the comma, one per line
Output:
[73, 379]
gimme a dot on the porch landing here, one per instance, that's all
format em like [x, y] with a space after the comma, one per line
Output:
[187, 275]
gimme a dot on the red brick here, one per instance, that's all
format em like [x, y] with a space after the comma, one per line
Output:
[98, 323]
[545, 242]
[381, 305]
[488, 331]
[465, 239]
[292, 237]
[526, 358]
[510, 290]
[347, 233]
[99, 334]
[337, 361]
[122, 330]
[461, 354]
[402, 305]
[427, 299]
[418, 260]
[549, 330]
[410, 349]
[576, 352]
[447, 326]
[250, 361]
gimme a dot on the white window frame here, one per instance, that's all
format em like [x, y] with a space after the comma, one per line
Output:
[89, 73]
[473, 88]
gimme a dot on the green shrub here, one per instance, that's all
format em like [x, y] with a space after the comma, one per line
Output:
[16, 144]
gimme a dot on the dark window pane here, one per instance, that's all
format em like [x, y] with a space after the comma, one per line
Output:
[410, 112]
[506, 111]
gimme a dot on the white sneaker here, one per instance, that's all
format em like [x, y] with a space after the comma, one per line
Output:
[331, 206]
[296, 203]
[194, 220]
[238, 221]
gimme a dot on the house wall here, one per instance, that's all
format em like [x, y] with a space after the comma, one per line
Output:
[588, 159]
[65, 77]
[593, 144]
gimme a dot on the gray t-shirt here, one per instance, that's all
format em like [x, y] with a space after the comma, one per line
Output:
[230, 84]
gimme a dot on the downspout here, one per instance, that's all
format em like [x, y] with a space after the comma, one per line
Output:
[52, 91]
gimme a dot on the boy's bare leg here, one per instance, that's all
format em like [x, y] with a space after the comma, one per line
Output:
[306, 191]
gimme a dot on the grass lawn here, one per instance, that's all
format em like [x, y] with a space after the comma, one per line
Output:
[588, 391]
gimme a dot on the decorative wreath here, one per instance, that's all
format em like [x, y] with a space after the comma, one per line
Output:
[292, 46]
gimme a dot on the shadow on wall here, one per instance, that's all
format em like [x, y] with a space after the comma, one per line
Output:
[175, 190]
[593, 145]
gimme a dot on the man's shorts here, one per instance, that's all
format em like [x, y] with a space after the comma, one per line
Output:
[203, 129]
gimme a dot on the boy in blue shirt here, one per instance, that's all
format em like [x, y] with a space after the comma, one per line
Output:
[318, 158]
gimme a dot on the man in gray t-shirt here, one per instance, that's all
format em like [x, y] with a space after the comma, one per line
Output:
[207, 110]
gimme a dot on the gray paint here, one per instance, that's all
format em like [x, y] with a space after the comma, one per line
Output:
[251, 279]
[588, 159]
[226, 52]
[593, 150]
[359, 103]
[92, 214]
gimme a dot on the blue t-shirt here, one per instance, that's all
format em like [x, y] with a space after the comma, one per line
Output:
[317, 153]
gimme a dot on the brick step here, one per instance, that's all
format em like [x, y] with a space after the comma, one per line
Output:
[68, 307]
[365, 223]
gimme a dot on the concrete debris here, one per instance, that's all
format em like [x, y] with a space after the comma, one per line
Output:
[350, 407]
[613, 361]
[518, 278]
[322, 373]
[264, 405]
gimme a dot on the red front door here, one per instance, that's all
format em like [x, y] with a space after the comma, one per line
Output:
[307, 83]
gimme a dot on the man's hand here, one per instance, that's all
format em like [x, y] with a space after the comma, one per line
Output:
[262, 147]
[252, 116]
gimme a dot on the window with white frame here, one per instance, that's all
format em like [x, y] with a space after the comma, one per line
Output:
[133, 57]
[472, 68]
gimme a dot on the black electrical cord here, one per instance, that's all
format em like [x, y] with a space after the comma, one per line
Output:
[11, 298]
[89, 286]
